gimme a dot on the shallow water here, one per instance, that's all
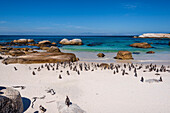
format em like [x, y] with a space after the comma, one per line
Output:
[109, 45]
[100, 43]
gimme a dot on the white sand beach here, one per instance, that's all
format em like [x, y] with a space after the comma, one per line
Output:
[98, 91]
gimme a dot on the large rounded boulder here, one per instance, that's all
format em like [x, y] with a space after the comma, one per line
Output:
[71, 42]
[150, 52]
[42, 57]
[100, 55]
[23, 41]
[124, 55]
[44, 43]
[53, 49]
[10, 100]
[141, 45]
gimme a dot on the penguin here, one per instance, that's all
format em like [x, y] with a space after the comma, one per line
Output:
[48, 68]
[33, 73]
[142, 79]
[67, 101]
[135, 70]
[135, 75]
[42, 109]
[5, 63]
[123, 73]
[160, 80]
[78, 72]
[129, 68]
[80, 66]
[38, 69]
[15, 68]
[53, 69]
[60, 77]
[68, 73]
[42, 66]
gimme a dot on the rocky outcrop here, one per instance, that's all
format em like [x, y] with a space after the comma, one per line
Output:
[150, 52]
[23, 41]
[154, 35]
[44, 43]
[141, 45]
[73, 108]
[10, 100]
[5, 49]
[53, 49]
[71, 42]
[53, 43]
[42, 57]
[124, 55]
[16, 53]
[100, 55]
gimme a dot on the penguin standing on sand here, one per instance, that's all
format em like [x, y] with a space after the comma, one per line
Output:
[60, 77]
[67, 101]
[42, 109]
[78, 72]
[160, 80]
[15, 68]
[142, 79]
[68, 73]
[33, 73]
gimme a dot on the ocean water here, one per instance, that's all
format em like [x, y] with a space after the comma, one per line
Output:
[100, 43]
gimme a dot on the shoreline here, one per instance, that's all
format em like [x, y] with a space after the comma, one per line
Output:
[144, 58]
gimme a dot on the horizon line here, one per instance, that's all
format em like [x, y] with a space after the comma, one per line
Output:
[72, 35]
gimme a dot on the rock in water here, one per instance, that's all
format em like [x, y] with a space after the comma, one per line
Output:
[124, 55]
[154, 35]
[10, 100]
[141, 45]
[71, 42]
[100, 55]
[73, 108]
[150, 52]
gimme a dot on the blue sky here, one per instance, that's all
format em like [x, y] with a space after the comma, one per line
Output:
[84, 17]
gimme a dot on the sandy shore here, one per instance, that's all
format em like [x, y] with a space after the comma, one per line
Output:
[98, 91]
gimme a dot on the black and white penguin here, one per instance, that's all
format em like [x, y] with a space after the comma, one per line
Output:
[142, 79]
[67, 101]
[42, 109]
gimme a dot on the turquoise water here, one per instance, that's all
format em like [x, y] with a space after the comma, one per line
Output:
[100, 43]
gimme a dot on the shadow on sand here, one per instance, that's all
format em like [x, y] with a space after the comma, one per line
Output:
[26, 103]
